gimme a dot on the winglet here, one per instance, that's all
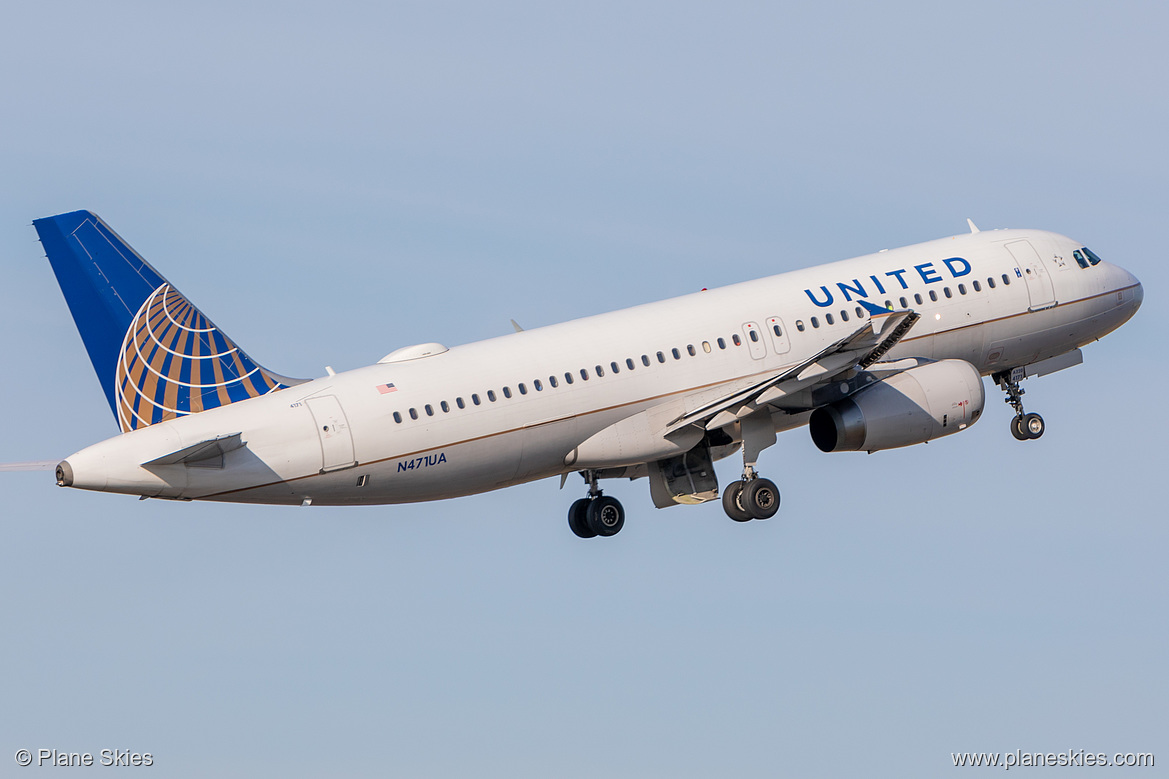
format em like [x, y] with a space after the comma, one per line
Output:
[973, 227]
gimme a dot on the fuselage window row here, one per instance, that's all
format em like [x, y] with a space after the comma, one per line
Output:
[691, 350]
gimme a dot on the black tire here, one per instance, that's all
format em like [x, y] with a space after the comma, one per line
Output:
[578, 518]
[732, 503]
[1017, 428]
[606, 516]
[761, 498]
[1033, 425]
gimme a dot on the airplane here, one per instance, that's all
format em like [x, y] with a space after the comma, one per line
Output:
[878, 352]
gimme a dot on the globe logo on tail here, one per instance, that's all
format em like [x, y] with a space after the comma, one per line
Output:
[174, 362]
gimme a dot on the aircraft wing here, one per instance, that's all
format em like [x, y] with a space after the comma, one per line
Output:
[860, 349]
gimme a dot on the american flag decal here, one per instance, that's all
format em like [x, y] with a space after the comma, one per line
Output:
[386, 389]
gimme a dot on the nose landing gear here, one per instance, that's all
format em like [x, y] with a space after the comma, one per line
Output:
[1024, 426]
[596, 515]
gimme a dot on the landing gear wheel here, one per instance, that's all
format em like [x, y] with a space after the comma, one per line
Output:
[1033, 425]
[578, 518]
[1017, 428]
[732, 502]
[761, 498]
[605, 516]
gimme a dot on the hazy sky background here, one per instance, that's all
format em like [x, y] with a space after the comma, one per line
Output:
[331, 184]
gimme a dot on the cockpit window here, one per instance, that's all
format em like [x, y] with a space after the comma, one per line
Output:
[1092, 258]
[1080, 258]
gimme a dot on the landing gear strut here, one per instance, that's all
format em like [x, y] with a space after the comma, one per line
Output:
[1024, 426]
[753, 497]
[596, 515]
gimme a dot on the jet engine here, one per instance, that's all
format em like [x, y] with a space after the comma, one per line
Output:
[917, 405]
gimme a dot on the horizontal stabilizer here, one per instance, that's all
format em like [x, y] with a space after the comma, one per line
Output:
[205, 454]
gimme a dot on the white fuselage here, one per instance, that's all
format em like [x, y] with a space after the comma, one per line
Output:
[338, 439]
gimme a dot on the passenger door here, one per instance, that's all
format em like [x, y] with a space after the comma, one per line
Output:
[1039, 285]
[333, 429]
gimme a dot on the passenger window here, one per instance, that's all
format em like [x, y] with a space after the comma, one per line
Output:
[397, 417]
[676, 353]
[1006, 280]
[429, 410]
[904, 303]
[645, 360]
[459, 402]
[706, 346]
[475, 399]
[917, 298]
[1092, 258]
[661, 357]
[949, 294]
[721, 343]
[754, 336]
[828, 318]
[815, 322]
[961, 289]
[775, 329]
[413, 414]
[690, 350]
[568, 378]
[491, 395]
[552, 382]
[616, 368]
[629, 363]
[523, 389]
[889, 304]
[736, 340]
[843, 315]
[507, 392]
[933, 296]
[800, 325]
[860, 313]
[584, 374]
[446, 407]
[990, 282]
[600, 371]
[539, 387]
[977, 286]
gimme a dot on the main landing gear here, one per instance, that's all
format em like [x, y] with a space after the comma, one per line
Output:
[750, 498]
[753, 497]
[1024, 426]
[596, 515]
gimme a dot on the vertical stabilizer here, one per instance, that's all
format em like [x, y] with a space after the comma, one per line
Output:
[157, 357]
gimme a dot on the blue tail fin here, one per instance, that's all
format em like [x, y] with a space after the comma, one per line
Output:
[156, 355]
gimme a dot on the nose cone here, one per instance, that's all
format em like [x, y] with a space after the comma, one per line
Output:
[1128, 288]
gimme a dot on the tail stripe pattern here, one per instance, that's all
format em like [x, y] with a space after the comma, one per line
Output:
[175, 362]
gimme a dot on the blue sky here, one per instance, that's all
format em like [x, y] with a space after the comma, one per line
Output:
[331, 185]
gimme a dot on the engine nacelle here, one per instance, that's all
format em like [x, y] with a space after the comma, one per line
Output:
[911, 407]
